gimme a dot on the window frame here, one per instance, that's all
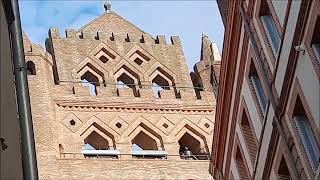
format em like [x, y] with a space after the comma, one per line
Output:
[259, 5]
[306, 136]
[308, 36]
[251, 63]
[275, 33]
[295, 94]
[244, 110]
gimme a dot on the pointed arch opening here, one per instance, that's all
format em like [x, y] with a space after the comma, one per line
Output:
[191, 148]
[91, 77]
[163, 82]
[128, 79]
[98, 142]
[159, 84]
[88, 79]
[143, 142]
[192, 145]
[146, 143]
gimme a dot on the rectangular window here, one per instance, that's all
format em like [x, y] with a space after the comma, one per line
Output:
[272, 33]
[259, 91]
[308, 139]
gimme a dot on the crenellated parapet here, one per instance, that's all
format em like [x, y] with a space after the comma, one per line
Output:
[112, 36]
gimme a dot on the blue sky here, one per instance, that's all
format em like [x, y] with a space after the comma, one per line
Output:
[187, 19]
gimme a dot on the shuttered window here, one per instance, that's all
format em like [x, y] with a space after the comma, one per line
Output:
[316, 49]
[308, 140]
[249, 137]
[272, 33]
[283, 171]
[259, 92]
[306, 135]
[241, 166]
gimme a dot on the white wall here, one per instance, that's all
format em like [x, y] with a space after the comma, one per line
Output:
[280, 7]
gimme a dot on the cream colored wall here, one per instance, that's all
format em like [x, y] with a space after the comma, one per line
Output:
[264, 144]
[309, 82]
[253, 112]
[310, 87]
[273, 175]
[280, 7]
[287, 43]
[233, 97]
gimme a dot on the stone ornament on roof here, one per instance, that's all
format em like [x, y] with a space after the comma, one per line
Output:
[107, 6]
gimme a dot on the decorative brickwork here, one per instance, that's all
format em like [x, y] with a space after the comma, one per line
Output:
[93, 89]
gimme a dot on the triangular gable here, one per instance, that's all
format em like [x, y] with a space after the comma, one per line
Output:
[113, 23]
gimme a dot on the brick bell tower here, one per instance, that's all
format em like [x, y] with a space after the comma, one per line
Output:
[109, 101]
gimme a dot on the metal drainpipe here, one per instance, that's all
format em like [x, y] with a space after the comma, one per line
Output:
[29, 161]
[271, 98]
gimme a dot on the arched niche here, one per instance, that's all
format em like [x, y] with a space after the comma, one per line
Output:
[161, 80]
[127, 78]
[92, 77]
[193, 140]
[144, 141]
[146, 138]
[98, 138]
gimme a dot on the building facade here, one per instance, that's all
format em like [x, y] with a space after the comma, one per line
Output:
[267, 118]
[109, 101]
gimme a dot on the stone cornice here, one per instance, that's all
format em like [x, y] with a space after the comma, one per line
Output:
[135, 107]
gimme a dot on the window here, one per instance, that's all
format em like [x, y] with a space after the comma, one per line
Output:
[31, 68]
[126, 82]
[257, 88]
[306, 134]
[191, 148]
[249, 137]
[272, 32]
[308, 140]
[283, 171]
[91, 84]
[96, 142]
[241, 166]
[269, 27]
[315, 43]
[259, 91]
[316, 48]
